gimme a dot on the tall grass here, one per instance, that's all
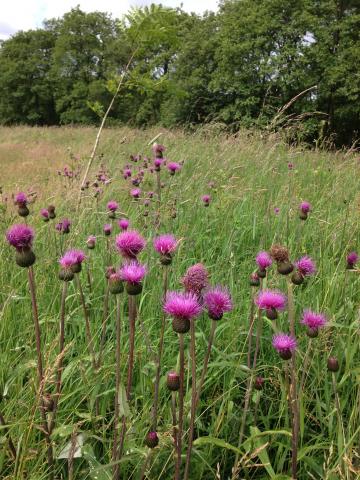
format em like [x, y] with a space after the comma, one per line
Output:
[251, 178]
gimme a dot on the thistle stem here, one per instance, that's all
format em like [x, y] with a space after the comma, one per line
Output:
[117, 384]
[293, 389]
[40, 370]
[174, 419]
[132, 320]
[193, 398]
[181, 405]
[159, 356]
[61, 353]
[87, 322]
[103, 326]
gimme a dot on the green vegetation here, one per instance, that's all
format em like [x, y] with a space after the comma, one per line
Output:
[239, 67]
[251, 177]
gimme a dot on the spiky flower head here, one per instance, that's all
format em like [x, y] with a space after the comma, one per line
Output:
[150, 194]
[63, 226]
[123, 223]
[135, 193]
[107, 229]
[112, 206]
[272, 301]
[157, 163]
[91, 242]
[130, 243]
[20, 236]
[263, 260]
[313, 321]
[21, 199]
[173, 381]
[152, 439]
[217, 301]
[196, 279]
[352, 259]
[158, 149]
[182, 305]
[276, 210]
[165, 244]
[133, 272]
[70, 263]
[206, 199]
[305, 207]
[306, 266]
[173, 167]
[44, 212]
[279, 253]
[284, 344]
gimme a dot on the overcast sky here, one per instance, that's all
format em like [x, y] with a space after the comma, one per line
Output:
[25, 14]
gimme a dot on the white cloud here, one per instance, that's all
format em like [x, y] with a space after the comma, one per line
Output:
[25, 14]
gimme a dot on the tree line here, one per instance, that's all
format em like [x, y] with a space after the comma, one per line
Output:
[271, 64]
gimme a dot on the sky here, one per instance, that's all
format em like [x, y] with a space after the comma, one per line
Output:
[28, 14]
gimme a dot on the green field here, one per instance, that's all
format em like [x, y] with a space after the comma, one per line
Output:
[251, 178]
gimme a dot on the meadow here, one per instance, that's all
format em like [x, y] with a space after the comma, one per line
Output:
[244, 416]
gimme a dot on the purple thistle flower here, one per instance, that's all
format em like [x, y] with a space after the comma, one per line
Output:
[290, 165]
[276, 210]
[20, 236]
[112, 206]
[157, 163]
[165, 244]
[130, 243]
[150, 194]
[182, 305]
[206, 199]
[21, 199]
[133, 272]
[196, 279]
[284, 344]
[63, 226]
[158, 148]
[313, 320]
[44, 212]
[272, 301]
[127, 172]
[71, 258]
[305, 266]
[305, 207]
[135, 193]
[146, 203]
[217, 301]
[123, 223]
[173, 167]
[352, 259]
[107, 229]
[263, 260]
[91, 241]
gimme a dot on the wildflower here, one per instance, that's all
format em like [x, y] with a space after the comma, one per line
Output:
[313, 321]
[63, 226]
[135, 193]
[254, 280]
[107, 229]
[259, 383]
[305, 208]
[21, 237]
[123, 223]
[21, 201]
[276, 210]
[165, 245]
[152, 440]
[44, 214]
[305, 267]
[173, 381]
[116, 285]
[158, 150]
[333, 364]
[112, 206]
[182, 307]
[70, 263]
[263, 261]
[91, 242]
[271, 301]
[352, 260]
[217, 301]
[196, 279]
[281, 256]
[285, 345]
[133, 273]
[173, 167]
[206, 200]
[130, 243]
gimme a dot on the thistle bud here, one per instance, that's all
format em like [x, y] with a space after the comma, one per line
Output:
[180, 325]
[25, 257]
[152, 440]
[259, 383]
[333, 364]
[173, 381]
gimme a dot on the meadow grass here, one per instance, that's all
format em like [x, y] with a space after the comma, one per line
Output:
[251, 178]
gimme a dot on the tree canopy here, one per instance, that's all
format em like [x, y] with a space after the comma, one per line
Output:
[292, 64]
